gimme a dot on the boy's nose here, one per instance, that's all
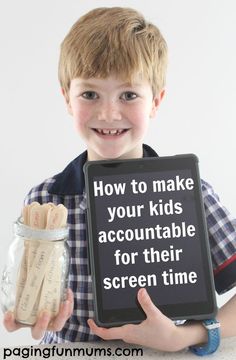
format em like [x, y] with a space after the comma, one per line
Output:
[109, 113]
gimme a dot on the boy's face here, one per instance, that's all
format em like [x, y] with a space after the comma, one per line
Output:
[112, 116]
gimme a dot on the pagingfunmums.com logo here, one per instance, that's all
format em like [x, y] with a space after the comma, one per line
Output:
[54, 351]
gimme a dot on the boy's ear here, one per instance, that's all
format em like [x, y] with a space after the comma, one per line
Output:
[156, 102]
[67, 100]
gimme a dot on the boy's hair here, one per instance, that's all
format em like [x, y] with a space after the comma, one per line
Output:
[113, 41]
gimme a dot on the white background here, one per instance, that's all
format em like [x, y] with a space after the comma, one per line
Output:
[37, 136]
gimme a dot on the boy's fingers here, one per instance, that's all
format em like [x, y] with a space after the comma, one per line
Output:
[41, 325]
[9, 322]
[123, 331]
[106, 334]
[65, 312]
[147, 305]
[63, 315]
[70, 299]
[68, 305]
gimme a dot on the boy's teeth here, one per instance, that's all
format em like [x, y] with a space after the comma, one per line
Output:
[110, 132]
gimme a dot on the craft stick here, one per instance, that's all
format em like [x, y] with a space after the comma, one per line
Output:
[26, 211]
[22, 275]
[37, 219]
[51, 290]
[64, 212]
[33, 282]
[34, 313]
[56, 217]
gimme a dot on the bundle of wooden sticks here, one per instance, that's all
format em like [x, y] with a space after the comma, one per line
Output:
[40, 276]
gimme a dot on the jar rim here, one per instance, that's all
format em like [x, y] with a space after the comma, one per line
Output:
[28, 232]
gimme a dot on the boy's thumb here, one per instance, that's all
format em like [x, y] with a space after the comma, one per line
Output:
[146, 303]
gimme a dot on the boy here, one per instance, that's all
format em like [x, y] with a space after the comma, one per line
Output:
[112, 74]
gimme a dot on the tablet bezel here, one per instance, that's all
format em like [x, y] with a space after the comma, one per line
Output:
[114, 317]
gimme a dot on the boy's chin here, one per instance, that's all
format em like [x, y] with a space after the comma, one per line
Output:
[113, 155]
[107, 156]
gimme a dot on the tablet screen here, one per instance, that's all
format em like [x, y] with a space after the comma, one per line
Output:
[147, 229]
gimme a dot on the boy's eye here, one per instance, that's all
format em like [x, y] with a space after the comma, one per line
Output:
[89, 95]
[128, 95]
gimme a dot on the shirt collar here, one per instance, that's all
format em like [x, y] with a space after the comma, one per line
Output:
[71, 180]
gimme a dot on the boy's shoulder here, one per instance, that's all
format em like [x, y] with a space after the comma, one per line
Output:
[40, 192]
[69, 182]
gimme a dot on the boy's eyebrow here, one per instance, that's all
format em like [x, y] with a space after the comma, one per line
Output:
[87, 84]
[95, 86]
[129, 84]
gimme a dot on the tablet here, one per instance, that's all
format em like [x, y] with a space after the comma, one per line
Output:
[147, 228]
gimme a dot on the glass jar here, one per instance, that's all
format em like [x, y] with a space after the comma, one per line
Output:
[36, 274]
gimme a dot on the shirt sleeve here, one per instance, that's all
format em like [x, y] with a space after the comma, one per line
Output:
[222, 237]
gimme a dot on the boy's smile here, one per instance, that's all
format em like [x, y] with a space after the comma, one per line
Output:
[112, 116]
[111, 132]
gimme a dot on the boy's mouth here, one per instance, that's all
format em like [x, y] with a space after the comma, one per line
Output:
[111, 132]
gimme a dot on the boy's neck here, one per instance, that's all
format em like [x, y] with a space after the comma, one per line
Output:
[135, 153]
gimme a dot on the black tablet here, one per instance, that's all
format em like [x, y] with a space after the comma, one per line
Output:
[147, 228]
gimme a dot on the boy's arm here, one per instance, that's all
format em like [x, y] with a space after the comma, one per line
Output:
[159, 332]
[43, 323]
[227, 317]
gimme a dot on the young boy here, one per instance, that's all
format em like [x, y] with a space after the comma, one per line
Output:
[112, 74]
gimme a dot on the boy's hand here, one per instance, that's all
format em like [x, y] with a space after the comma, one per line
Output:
[157, 331]
[43, 322]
